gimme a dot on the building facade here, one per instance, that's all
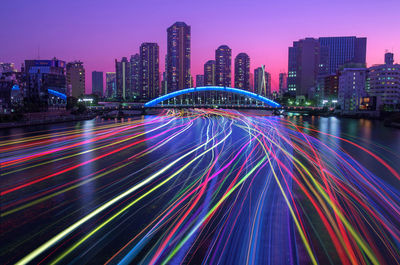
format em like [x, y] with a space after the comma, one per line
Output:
[384, 83]
[178, 57]
[352, 88]
[303, 66]
[134, 76]
[149, 70]
[262, 82]
[344, 50]
[331, 88]
[97, 83]
[43, 77]
[223, 66]
[111, 85]
[75, 74]
[282, 84]
[242, 71]
[122, 78]
[209, 73]
[199, 80]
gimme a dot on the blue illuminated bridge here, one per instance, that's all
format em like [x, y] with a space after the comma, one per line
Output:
[242, 92]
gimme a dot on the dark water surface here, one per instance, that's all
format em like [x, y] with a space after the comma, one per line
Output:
[201, 187]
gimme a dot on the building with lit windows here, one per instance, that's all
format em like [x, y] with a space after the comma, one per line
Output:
[384, 83]
[134, 75]
[223, 66]
[199, 80]
[44, 76]
[242, 71]
[352, 88]
[75, 74]
[111, 85]
[209, 73]
[122, 78]
[262, 82]
[303, 66]
[149, 70]
[344, 50]
[178, 57]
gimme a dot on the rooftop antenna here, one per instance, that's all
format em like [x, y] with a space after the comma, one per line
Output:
[38, 55]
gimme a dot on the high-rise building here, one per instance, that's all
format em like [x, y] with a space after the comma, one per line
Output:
[303, 66]
[111, 85]
[44, 76]
[282, 84]
[75, 75]
[122, 75]
[251, 82]
[352, 88]
[223, 65]
[344, 50]
[97, 83]
[384, 83]
[209, 73]
[134, 75]
[242, 71]
[199, 80]
[149, 70]
[178, 57]
[164, 84]
[262, 82]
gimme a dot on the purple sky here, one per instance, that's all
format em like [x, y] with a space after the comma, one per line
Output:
[96, 31]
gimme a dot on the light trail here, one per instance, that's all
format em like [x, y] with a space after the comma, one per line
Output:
[198, 187]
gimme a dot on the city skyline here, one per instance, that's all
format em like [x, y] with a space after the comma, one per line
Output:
[105, 36]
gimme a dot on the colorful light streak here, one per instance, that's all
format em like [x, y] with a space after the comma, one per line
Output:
[208, 186]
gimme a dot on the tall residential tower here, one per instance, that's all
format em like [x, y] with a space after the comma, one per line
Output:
[178, 57]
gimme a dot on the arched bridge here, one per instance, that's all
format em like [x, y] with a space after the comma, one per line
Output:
[158, 100]
[57, 94]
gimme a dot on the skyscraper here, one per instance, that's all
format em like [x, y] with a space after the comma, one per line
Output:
[342, 50]
[303, 66]
[178, 57]
[223, 65]
[97, 83]
[262, 82]
[209, 73]
[149, 70]
[75, 75]
[199, 80]
[122, 76]
[134, 74]
[163, 89]
[111, 85]
[282, 84]
[242, 71]
[251, 82]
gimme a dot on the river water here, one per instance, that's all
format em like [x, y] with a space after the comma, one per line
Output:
[201, 187]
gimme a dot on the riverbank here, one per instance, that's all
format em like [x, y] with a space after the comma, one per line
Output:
[31, 119]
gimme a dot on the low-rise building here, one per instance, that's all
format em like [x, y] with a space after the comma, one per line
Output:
[384, 83]
[352, 88]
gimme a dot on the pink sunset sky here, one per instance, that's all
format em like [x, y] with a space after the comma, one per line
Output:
[97, 32]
